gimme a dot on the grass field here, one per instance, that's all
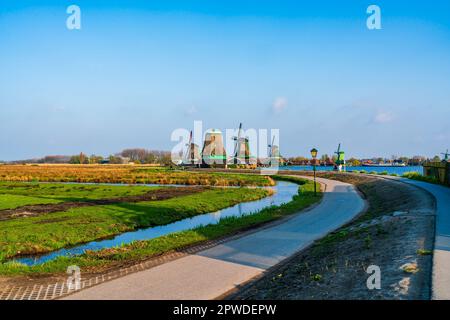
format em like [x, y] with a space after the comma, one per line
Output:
[126, 174]
[56, 230]
[14, 195]
[41, 234]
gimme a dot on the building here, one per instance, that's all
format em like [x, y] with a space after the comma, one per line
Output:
[213, 152]
[243, 155]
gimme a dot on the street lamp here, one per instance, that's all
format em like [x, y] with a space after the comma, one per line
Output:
[314, 156]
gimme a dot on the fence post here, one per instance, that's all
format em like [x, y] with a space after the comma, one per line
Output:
[447, 173]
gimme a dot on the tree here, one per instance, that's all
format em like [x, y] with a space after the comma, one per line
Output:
[298, 159]
[134, 154]
[354, 162]
[82, 158]
[93, 159]
[115, 160]
[79, 159]
[404, 159]
[147, 156]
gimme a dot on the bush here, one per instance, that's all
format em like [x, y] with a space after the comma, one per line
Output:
[417, 176]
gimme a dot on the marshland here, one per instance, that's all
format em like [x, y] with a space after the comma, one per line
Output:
[48, 210]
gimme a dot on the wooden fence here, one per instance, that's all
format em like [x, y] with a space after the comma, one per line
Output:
[438, 170]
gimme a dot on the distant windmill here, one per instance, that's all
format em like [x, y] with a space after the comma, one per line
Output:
[213, 151]
[340, 160]
[241, 154]
[191, 156]
[274, 152]
[446, 154]
[236, 151]
[270, 147]
[188, 149]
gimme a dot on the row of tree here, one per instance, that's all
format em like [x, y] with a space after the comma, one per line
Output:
[137, 155]
[147, 156]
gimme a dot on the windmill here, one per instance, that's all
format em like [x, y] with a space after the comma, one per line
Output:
[191, 156]
[274, 152]
[213, 152]
[188, 148]
[340, 159]
[241, 154]
[446, 154]
[270, 147]
[237, 145]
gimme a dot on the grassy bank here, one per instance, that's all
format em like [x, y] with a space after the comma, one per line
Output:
[99, 260]
[334, 267]
[419, 177]
[56, 230]
[413, 175]
[126, 174]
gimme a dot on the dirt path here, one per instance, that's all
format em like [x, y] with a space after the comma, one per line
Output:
[154, 195]
[396, 234]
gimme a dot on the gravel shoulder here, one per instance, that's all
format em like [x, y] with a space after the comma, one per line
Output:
[396, 233]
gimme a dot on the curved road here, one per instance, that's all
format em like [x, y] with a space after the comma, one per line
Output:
[213, 272]
[441, 259]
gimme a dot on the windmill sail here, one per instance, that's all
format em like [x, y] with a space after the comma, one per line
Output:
[340, 156]
[446, 154]
[241, 153]
[274, 153]
[192, 154]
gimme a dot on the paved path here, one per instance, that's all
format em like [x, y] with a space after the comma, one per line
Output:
[441, 260]
[213, 272]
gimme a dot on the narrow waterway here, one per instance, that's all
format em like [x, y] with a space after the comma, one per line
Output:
[284, 192]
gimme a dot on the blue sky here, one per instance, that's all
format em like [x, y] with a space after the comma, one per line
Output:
[137, 70]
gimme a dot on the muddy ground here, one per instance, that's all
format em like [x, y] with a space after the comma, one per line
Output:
[154, 195]
[396, 234]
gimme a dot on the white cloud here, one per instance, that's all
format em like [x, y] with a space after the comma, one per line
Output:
[191, 111]
[279, 104]
[383, 117]
[442, 137]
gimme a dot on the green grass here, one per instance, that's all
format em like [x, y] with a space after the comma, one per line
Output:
[143, 249]
[12, 201]
[79, 225]
[424, 252]
[417, 176]
[18, 194]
